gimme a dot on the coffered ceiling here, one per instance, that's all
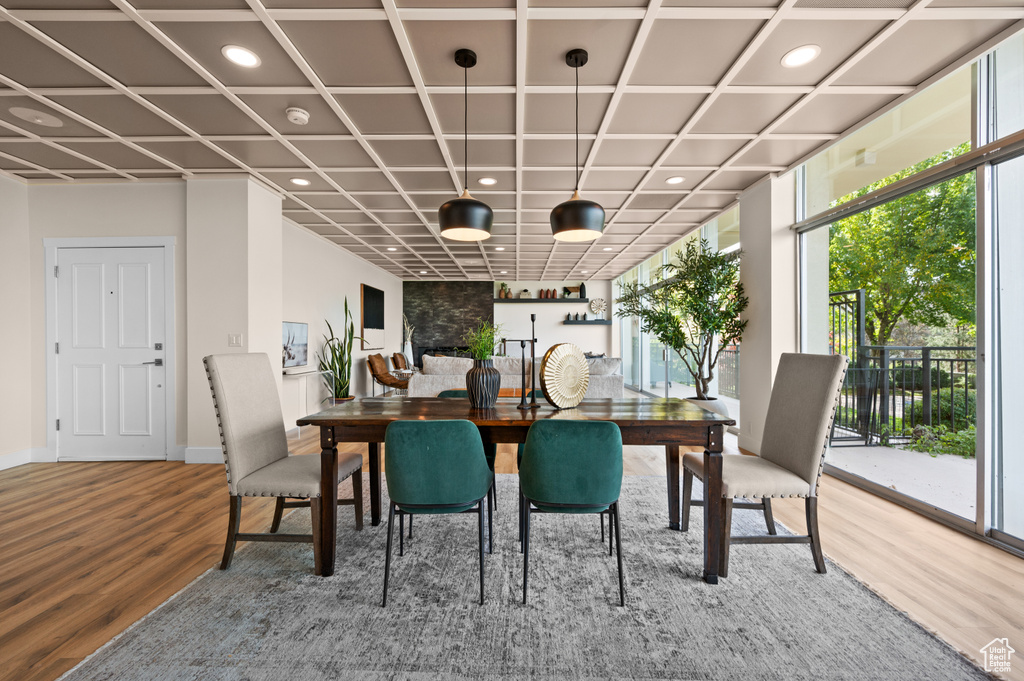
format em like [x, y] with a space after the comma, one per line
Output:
[674, 88]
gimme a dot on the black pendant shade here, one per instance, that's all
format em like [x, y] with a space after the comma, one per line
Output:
[577, 219]
[465, 218]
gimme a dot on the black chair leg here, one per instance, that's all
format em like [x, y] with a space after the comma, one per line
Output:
[618, 548]
[401, 532]
[769, 517]
[387, 555]
[481, 526]
[611, 534]
[234, 518]
[811, 506]
[275, 525]
[684, 524]
[526, 547]
[410, 527]
[490, 522]
[601, 518]
[522, 515]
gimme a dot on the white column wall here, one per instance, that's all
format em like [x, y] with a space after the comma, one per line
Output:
[234, 280]
[16, 389]
[769, 274]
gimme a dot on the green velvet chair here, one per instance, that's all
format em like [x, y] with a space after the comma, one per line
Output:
[572, 467]
[435, 467]
[490, 451]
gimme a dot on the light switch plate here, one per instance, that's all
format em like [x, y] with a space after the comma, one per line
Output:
[234, 340]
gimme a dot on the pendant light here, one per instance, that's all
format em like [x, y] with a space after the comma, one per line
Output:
[577, 219]
[465, 218]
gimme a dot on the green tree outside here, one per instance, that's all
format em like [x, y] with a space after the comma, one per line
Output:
[914, 256]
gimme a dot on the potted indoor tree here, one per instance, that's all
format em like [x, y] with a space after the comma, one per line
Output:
[335, 360]
[693, 306]
[483, 381]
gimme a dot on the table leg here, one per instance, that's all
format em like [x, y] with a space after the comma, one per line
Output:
[328, 526]
[672, 469]
[374, 483]
[712, 515]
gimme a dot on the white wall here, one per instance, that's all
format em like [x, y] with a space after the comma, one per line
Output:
[102, 210]
[318, 277]
[769, 274]
[515, 318]
[16, 345]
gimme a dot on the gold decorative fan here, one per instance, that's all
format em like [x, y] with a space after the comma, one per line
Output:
[564, 375]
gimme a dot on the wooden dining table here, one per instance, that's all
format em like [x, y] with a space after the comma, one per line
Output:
[672, 423]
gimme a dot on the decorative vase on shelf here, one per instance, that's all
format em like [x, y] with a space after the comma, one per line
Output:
[482, 383]
[501, 293]
[577, 316]
[583, 289]
[584, 316]
[568, 316]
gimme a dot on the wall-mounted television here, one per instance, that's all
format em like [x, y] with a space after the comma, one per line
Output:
[294, 345]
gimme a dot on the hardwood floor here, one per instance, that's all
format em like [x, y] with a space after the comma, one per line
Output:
[86, 549]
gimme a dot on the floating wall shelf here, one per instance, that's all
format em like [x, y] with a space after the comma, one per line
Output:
[598, 322]
[542, 300]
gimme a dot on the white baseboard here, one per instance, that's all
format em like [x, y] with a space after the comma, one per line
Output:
[204, 455]
[749, 443]
[15, 459]
[177, 453]
[34, 455]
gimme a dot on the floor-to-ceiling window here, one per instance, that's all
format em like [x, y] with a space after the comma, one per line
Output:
[908, 223]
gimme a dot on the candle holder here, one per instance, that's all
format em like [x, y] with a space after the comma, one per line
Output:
[533, 362]
[522, 396]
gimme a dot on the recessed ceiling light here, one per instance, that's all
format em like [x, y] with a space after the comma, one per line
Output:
[423, 271]
[37, 117]
[487, 181]
[583, 271]
[678, 179]
[300, 181]
[392, 248]
[241, 56]
[504, 271]
[801, 55]
[607, 248]
[499, 248]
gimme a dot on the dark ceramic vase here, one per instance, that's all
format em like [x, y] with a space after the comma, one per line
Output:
[482, 383]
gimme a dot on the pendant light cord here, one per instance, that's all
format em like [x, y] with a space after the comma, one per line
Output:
[577, 159]
[465, 125]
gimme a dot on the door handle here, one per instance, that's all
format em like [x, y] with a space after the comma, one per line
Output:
[157, 362]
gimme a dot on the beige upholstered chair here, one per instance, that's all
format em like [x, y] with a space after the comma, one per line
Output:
[256, 450]
[800, 413]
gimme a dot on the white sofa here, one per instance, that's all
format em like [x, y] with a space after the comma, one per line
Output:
[449, 373]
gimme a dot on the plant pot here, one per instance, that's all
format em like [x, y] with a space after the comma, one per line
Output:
[335, 401]
[713, 404]
[482, 383]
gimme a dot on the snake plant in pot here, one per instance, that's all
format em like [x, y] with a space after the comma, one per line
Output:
[483, 381]
[693, 306]
[335, 358]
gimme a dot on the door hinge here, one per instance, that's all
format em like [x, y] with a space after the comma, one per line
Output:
[56, 348]
[58, 424]
[56, 270]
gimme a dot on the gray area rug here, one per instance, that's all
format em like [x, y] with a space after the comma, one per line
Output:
[269, 617]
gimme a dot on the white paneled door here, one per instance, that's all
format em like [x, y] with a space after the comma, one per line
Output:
[110, 358]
